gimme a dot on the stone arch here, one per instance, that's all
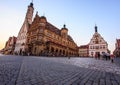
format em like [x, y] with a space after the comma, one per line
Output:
[67, 53]
[63, 52]
[52, 49]
[60, 52]
[56, 50]
[73, 53]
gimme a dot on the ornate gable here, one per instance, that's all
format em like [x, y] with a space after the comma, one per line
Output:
[97, 39]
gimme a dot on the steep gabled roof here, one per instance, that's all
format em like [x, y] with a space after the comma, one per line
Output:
[56, 30]
[99, 38]
[49, 26]
[52, 28]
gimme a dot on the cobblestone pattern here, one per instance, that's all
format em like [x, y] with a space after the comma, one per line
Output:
[9, 69]
[117, 61]
[91, 63]
[44, 71]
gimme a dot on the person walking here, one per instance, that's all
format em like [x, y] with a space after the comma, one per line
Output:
[112, 58]
[103, 55]
[107, 55]
[98, 56]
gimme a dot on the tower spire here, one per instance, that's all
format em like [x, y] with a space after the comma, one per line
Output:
[31, 4]
[29, 13]
[96, 28]
[64, 26]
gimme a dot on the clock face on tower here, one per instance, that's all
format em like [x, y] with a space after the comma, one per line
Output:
[96, 39]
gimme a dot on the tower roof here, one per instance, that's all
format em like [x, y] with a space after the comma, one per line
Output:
[64, 27]
[96, 28]
[31, 4]
[43, 17]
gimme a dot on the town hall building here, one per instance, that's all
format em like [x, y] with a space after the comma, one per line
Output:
[46, 39]
[97, 44]
[39, 37]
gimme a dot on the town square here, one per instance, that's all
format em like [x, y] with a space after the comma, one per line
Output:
[35, 70]
[59, 42]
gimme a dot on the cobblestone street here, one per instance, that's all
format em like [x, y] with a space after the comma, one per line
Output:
[27, 70]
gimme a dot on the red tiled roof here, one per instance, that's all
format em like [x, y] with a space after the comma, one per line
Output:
[52, 28]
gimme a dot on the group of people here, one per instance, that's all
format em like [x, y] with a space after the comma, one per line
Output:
[105, 56]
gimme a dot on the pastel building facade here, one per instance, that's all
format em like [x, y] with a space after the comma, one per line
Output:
[83, 51]
[22, 35]
[97, 44]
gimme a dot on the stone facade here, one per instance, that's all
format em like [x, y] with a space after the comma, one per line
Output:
[46, 39]
[10, 45]
[22, 35]
[83, 51]
[117, 48]
[97, 44]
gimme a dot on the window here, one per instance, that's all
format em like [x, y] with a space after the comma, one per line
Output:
[48, 34]
[104, 47]
[41, 30]
[97, 47]
[40, 37]
[92, 53]
[90, 47]
[34, 32]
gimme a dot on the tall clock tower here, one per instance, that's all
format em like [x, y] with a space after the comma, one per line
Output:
[22, 35]
[29, 13]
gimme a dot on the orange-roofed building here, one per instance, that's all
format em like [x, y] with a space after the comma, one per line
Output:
[83, 51]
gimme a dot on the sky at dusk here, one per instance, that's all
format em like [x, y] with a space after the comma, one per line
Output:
[80, 17]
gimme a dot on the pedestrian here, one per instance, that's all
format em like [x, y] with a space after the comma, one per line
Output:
[28, 54]
[68, 57]
[107, 56]
[103, 55]
[112, 58]
[98, 56]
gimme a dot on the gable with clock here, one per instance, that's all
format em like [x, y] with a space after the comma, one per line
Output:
[97, 44]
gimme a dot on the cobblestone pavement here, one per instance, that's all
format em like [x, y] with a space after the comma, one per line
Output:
[91, 63]
[16, 70]
[117, 61]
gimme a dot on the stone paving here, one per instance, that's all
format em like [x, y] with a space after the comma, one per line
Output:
[92, 63]
[117, 61]
[21, 70]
